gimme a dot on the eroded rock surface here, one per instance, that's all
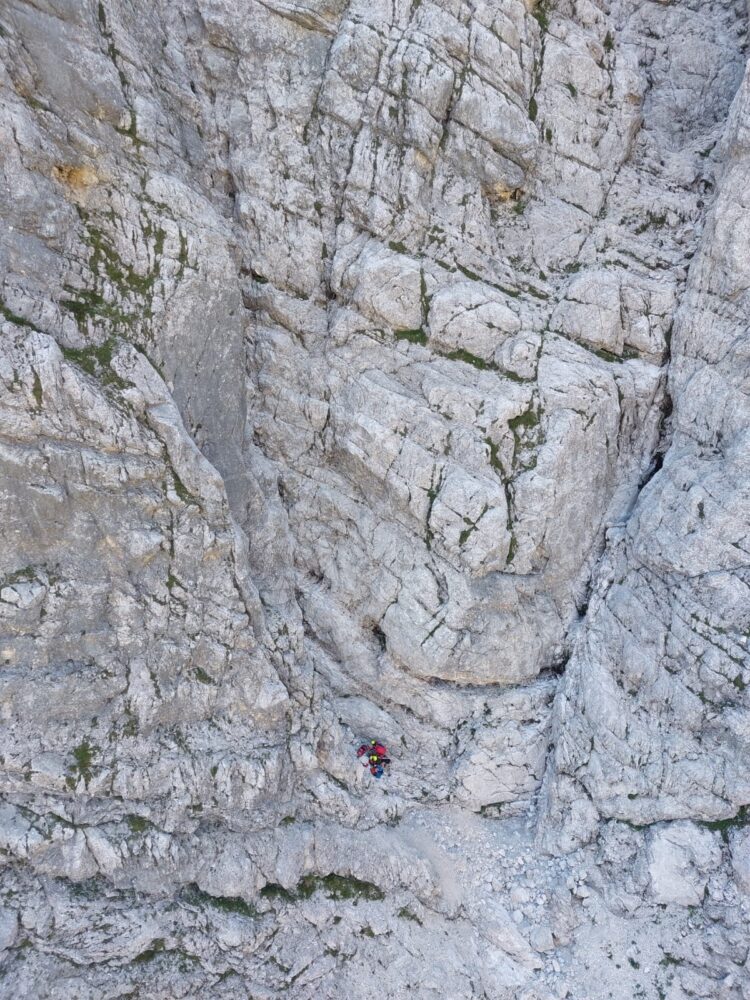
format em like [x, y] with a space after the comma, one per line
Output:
[374, 369]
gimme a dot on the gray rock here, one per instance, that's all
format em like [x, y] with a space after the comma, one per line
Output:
[739, 845]
[337, 352]
[681, 856]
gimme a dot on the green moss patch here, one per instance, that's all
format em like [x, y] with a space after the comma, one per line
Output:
[24, 575]
[97, 362]
[469, 359]
[12, 317]
[225, 904]
[138, 824]
[413, 336]
[338, 887]
[157, 946]
[83, 756]
[725, 826]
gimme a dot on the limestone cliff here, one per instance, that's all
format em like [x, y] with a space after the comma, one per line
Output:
[374, 369]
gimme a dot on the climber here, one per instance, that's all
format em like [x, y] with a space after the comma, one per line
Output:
[375, 747]
[376, 757]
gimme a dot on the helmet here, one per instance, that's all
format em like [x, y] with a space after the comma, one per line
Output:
[373, 742]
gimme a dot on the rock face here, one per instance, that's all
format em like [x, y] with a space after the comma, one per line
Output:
[374, 370]
[652, 711]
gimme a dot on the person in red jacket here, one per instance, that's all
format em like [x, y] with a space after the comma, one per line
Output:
[373, 748]
[376, 757]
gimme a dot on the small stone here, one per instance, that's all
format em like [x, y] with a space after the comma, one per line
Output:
[541, 939]
[519, 895]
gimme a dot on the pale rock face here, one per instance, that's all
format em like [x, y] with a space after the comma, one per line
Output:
[464, 317]
[740, 850]
[680, 860]
[374, 370]
[659, 670]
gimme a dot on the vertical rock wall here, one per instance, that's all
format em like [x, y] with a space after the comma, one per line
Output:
[370, 368]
